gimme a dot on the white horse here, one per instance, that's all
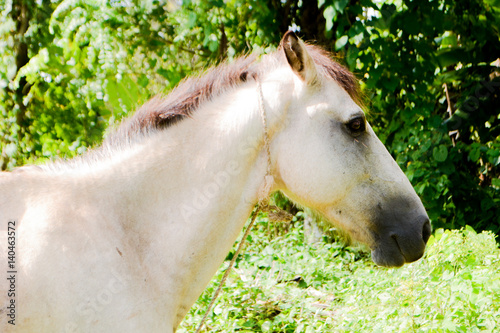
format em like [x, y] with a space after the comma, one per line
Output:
[126, 237]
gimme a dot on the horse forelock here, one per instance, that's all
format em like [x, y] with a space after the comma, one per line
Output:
[334, 70]
[163, 111]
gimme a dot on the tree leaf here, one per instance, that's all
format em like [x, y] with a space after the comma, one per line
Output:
[440, 153]
[340, 43]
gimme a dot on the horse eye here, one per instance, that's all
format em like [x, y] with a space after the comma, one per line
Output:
[356, 126]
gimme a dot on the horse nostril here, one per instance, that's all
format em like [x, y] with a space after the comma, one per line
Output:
[426, 231]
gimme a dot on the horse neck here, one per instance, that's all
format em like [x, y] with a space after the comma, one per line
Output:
[213, 156]
[189, 190]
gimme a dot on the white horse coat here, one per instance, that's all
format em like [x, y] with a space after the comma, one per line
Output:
[125, 239]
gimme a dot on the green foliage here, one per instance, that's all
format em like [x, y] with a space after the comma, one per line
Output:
[69, 69]
[283, 284]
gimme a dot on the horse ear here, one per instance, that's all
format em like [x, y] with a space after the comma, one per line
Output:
[298, 57]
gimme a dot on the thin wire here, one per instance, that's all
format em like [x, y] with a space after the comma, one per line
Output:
[228, 269]
[264, 124]
[263, 205]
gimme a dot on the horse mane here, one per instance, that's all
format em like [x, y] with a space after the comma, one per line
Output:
[330, 68]
[162, 112]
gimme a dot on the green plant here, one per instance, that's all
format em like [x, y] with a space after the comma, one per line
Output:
[283, 284]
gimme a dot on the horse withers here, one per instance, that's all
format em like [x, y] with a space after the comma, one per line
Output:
[126, 237]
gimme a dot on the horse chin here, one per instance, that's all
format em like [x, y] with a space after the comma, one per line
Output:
[388, 256]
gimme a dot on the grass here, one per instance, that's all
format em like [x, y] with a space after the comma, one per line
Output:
[282, 283]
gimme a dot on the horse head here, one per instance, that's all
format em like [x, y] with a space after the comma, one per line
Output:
[329, 158]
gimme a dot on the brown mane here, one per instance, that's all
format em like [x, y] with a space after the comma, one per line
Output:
[330, 68]
[162, 112]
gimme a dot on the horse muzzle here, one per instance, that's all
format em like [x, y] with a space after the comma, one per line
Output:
[400, 241]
